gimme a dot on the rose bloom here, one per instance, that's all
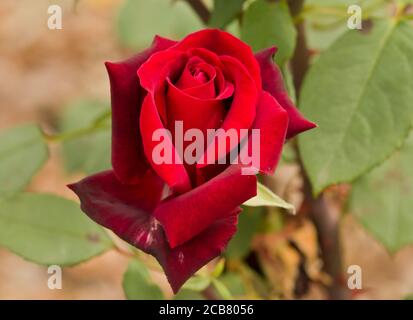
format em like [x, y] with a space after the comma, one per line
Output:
[184, 214]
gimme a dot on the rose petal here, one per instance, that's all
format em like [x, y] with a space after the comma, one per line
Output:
[272, 121]
[183, 261]
[159, 66]
[173, 173]
[223, 43]
[127, 152]
[126, 210]
[189, 214]
[154, 72]
[196, 113]
[241, 113]
[272, 81]
[205, 91]
[202, 87]
[224, 88]
[188, 79]
[243, 108]
[206, 173]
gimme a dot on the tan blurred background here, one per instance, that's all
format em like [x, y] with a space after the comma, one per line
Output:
[42, 70]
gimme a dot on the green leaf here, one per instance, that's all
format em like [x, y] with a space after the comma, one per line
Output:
[137, 284]
[383, 199]
[22, 153]
[265, 197]
[140, 20]
[248, 223]
[224, 12]
[322, 32]
[266, 24]
[89, 153]
[197, 283]
[222, 289]
[47, 229]
[359, 93]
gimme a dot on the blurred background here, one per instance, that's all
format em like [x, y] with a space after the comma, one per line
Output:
[57, 78]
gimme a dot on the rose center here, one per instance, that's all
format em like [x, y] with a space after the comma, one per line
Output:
[200, 76]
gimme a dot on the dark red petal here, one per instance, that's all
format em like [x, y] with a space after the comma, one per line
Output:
[127, 154]
[183, 261]
[187, 215]
[126, 210]
[272, 81]
[272, 121]
[174, 173]
[223, 43]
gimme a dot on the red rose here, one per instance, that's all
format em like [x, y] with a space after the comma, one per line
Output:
[184, 213]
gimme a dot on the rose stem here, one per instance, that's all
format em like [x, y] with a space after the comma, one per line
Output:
[201, 10]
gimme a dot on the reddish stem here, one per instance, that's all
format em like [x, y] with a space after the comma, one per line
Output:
[201, 10]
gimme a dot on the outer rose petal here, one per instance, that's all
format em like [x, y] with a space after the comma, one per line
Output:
[126, 210]
[223, 43]
[127, 154]
[272, 121]
[118, 206]
[272, 81]
[187, 215]
[183, 261]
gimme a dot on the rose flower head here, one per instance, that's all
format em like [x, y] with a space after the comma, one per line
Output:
[184, 118]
